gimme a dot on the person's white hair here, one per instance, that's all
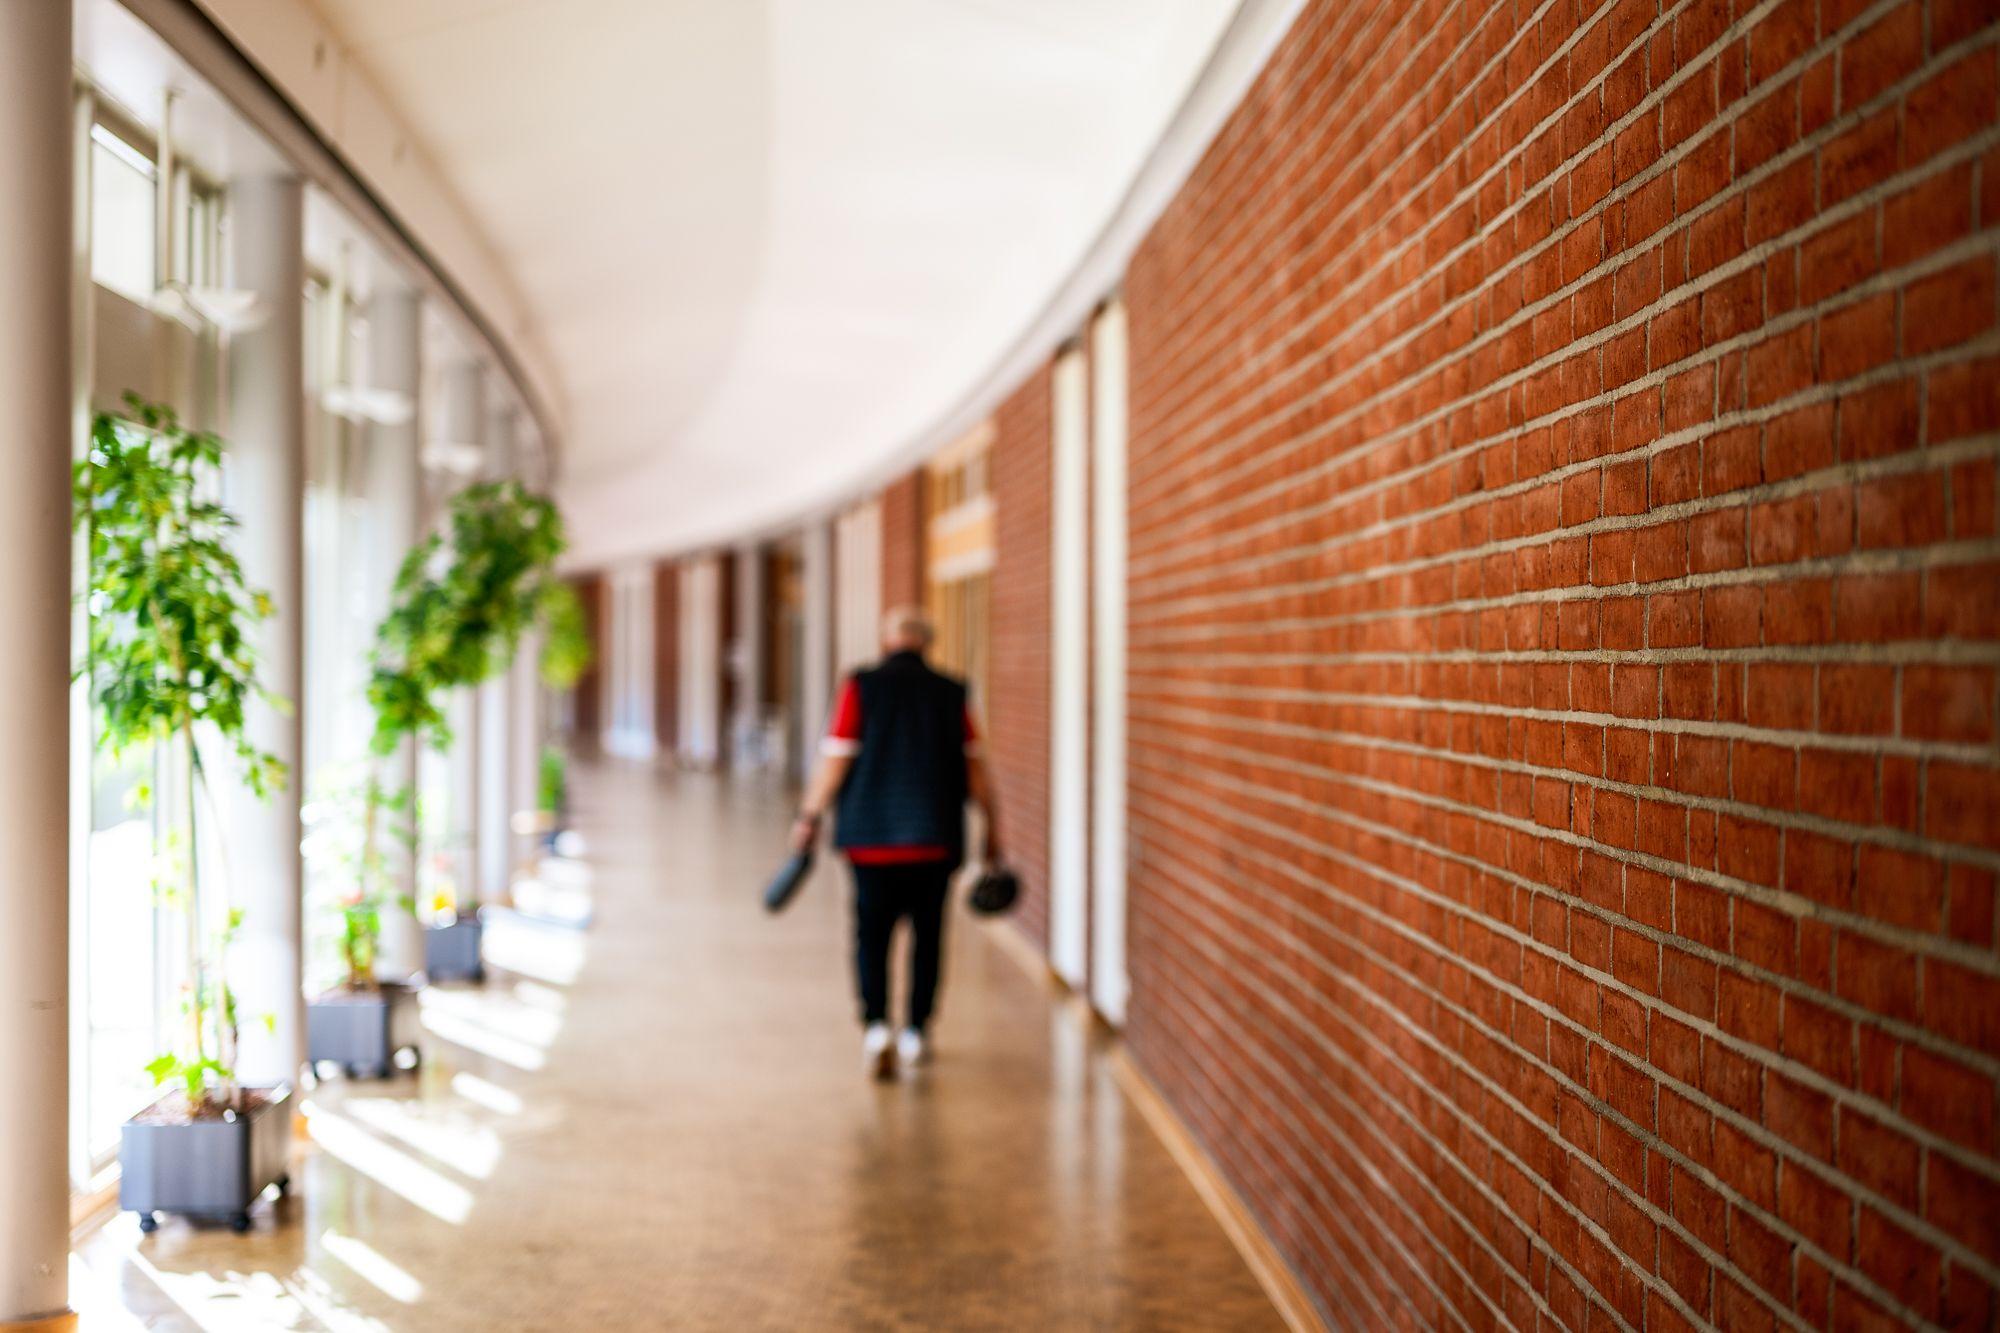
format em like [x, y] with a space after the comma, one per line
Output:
[907, 627]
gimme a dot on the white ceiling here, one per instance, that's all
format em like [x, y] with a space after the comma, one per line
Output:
[773, 243]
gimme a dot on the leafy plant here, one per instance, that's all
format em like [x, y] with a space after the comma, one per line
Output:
[462, 599]
[567, 651]
[552, 787]
[169, 661]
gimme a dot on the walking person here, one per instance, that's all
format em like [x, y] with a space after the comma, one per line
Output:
[899, 761]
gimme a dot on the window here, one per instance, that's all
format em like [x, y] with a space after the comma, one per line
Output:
[122, 214]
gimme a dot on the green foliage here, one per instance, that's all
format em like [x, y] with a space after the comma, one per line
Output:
[552, 787]
[170, 611]
[567, 650]
[169, 662]
[461, 601]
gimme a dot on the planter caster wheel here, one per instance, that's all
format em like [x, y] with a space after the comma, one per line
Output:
[149, 1223]
[239, 1223]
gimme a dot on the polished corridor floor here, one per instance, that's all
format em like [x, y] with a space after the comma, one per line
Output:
[661, 1123]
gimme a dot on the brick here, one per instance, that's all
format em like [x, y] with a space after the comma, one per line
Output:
[1858, 158]
[1882, 54]
[1964, 1204]
[1815, 1208]
[1948, 307]
[1907, 1267]
[1881, 1158]
[1857, 338]
[1947, 703]
[1963, 805]
[1878, 420]
[1948, 1098]
[1857, 699]
[1838, 258]
[1926, 217]
[1949, 107]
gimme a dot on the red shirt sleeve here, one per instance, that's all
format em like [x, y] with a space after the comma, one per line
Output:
[843, 732]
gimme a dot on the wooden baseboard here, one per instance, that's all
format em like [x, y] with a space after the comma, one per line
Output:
[1280, 1284]
[89, 1208]
[1024, 954]
[1233, 1215]
[53, 1323]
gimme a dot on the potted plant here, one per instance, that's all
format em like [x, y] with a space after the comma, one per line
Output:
[170, 666]
[462, 599]
[566, 655]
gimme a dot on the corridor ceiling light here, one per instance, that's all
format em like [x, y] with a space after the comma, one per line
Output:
[365, 1263]
[226, 309]
[383, 407]
[462, 460]
[389, 1167]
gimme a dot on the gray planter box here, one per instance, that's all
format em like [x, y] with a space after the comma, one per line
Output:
[361, 1031]
[451, 953]
[211, 1169]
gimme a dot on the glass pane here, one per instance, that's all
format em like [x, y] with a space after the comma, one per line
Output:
[122, 942]
[121, 216]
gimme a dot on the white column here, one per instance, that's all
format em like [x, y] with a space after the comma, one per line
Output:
[464, 426]
[816, 655]
[524, 744]
[492, 852]
[395, 497]
[1108, 981]
[747, 653]
[35, 277]
[1069, 664]
[266, 481]
[701, 661]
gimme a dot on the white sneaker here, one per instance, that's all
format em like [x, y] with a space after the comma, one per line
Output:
[910, 1046]
[878, 1050]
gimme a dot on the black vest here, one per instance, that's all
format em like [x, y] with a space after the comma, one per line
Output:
[907, 787]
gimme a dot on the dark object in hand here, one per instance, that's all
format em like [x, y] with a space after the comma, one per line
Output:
[786, 882]
[996, 891]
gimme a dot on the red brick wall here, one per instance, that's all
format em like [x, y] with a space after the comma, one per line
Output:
[667, 656]
[1017, 714]
[1565, 612]
[903, 542]
[593, 593]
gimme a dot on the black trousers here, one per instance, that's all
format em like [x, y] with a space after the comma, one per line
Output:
[884, 895]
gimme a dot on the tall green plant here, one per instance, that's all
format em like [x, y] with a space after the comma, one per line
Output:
[461, 601]
[170, 661]
[567, 651]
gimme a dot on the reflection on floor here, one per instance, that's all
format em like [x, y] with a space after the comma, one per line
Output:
[662, 1124]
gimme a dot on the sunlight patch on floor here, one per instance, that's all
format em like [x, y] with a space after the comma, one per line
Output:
[481, 1092]
[551, 954]
[372, 1268]
[484, 1041]
[388, 1166]
[441, 1133]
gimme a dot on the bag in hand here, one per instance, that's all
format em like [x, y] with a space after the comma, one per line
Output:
[787, 881]
[995, 891]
